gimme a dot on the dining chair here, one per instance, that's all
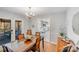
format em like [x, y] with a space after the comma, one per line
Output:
[38, 38]
[21, 37]
[61, 42]
[29, 32]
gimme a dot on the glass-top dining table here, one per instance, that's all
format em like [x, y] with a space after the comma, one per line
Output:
[20, 46]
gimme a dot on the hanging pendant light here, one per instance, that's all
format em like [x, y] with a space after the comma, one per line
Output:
[30, 13]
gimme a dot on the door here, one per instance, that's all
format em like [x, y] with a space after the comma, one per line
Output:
[17, 28]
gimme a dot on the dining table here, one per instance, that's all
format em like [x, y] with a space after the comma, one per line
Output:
[20, 46]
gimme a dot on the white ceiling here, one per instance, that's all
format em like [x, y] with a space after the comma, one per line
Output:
[37, 10]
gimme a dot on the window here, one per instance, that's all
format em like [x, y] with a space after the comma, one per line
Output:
[5, 31]
[5, 25]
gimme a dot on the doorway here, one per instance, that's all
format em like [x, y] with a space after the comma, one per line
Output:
[17, 28]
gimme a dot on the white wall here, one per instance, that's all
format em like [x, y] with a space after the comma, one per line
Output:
[75, 23]
[70, 14]
[57, 24]
[7, 15]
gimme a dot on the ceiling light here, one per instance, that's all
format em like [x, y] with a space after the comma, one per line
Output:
[30, 13]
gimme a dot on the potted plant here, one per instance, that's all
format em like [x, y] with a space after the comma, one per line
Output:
[63, 35]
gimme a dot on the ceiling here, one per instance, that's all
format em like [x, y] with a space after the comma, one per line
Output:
[37, 10]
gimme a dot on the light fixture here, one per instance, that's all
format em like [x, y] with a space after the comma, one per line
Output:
[30, 13]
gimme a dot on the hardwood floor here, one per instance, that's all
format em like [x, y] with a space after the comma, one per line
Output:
[48, 47]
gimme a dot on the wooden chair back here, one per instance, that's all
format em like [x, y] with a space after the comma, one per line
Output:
[38, 38]
[21, 37]
[29, 32]
[61, 42]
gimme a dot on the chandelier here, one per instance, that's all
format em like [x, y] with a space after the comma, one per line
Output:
[30, 13]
